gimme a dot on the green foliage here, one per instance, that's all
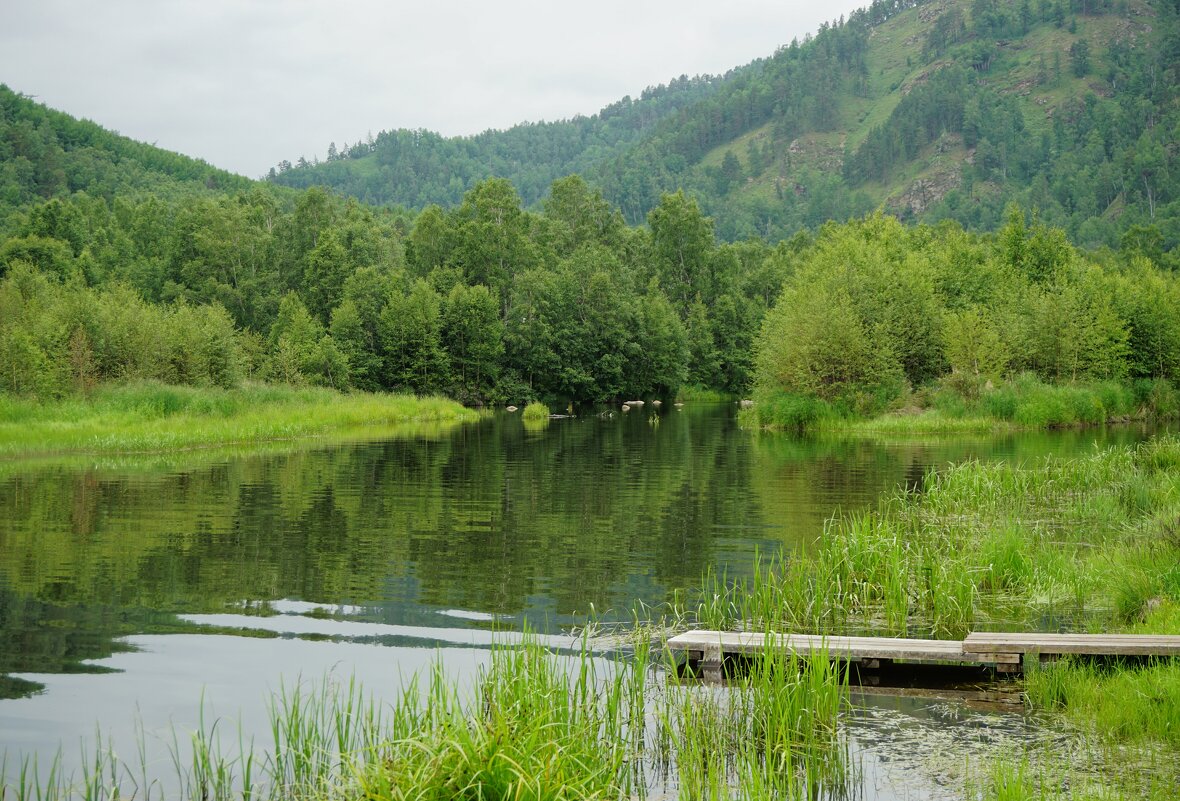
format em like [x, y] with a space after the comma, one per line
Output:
[791, 411]
[859, 316]
[975, 350]
[50, 256]
[489, 299]
[682, 239]
[60, 338]
[580, 215]
[411, 336]
[535, 411]
[1019, 328]
[814, 343]
[1029, 402]
[1121, 704]
[474, 338]
[1079, 58]
[47, 154]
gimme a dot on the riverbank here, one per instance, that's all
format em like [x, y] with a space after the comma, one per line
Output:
[1021, 404]
[151, 417]
[1085, 544]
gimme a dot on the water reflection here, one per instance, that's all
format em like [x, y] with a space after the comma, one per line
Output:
[486, 526]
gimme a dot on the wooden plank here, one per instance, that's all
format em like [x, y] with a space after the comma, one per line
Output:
[1004, 650]
[1093, 644]
[841, 647]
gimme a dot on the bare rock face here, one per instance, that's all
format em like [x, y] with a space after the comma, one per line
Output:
[934, 185]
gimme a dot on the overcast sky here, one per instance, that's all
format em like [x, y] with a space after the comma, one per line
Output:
[247, 84]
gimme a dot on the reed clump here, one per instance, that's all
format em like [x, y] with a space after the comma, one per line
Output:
[772, 733]
[1121, 702]
[535, 411]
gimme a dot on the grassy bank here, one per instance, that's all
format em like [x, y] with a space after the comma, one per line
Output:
[1023, 403]
[150, 417]
[1085, 544]
[1090, 542]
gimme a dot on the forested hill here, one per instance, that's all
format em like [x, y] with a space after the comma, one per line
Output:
[936, 109]
[416, 167]
[46, 154]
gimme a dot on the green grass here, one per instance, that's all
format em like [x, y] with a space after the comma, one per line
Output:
[928, 422]
[1022, 403]
[535, 726]
[1095, 539]
[1124, 703]
[535, 411]
[694, 393]
[151, 417]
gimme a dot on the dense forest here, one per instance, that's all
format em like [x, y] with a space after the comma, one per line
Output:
[417, 168]
[485, 302]
[489, 302]
[944, 109]
[46, 153]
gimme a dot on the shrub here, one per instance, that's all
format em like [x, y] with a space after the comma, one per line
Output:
[791, 411]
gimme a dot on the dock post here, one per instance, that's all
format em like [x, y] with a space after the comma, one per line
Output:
[711, 660]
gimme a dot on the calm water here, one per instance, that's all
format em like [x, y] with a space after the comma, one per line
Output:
[128, 587]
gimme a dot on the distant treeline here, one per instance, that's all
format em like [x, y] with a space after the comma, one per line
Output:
[46, 153]
[489, 302]
[417, 168]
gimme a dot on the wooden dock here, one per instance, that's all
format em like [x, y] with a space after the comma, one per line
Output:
[707, 651]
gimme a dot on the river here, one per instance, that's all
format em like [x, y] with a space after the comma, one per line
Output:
[139, 595]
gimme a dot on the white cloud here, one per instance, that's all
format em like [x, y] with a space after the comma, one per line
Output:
[245, 84]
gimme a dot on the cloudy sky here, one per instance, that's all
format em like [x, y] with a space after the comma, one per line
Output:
[246, 84]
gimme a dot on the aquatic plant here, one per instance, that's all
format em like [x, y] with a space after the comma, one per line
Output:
[535, 725]
[536, 411]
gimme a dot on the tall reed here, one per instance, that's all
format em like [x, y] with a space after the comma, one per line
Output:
[535, 725]
[1091, 541]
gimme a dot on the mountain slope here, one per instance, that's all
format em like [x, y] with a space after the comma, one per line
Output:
[46, 153]
[416, 167]
[959, 108]
[935, 109]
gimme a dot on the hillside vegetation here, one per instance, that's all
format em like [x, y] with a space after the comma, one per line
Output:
[944, 109]
[46, 154]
